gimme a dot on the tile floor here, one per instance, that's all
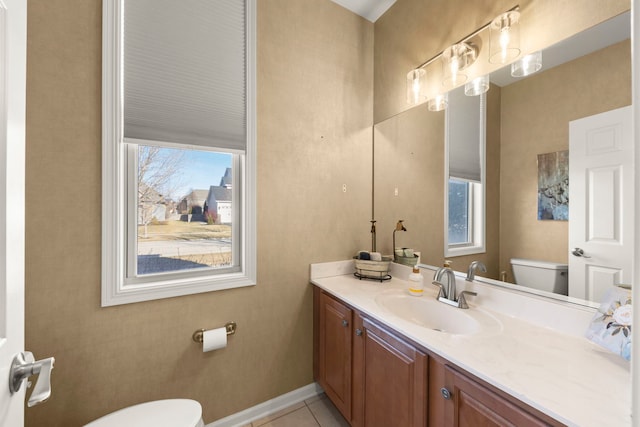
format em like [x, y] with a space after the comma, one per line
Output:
[315, 412]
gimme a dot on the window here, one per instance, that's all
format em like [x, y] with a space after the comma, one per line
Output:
[178, 148]
[185, 217]
[464, 171]
[464, 214]
[460, 212]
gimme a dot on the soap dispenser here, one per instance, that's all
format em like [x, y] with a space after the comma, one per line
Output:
[416, 287]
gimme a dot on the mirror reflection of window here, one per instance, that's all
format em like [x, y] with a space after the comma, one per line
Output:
[465, 141]
[460, 212]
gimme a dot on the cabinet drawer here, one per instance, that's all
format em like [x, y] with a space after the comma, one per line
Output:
[468, 403]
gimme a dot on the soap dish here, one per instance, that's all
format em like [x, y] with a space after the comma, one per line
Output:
[372, 270]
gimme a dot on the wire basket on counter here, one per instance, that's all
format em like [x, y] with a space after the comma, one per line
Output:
[372, 270]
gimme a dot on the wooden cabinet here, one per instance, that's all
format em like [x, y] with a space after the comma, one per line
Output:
[376, 377]
[372, 376]
[334, 361]
[390, 379]
[459, 400]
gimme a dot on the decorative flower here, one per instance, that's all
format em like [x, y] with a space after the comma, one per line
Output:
[623, 315]
[611, 326]
[619, 317]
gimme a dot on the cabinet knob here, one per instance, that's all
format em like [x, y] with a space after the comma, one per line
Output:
[445, 393]
[358, 332]
[345, 323]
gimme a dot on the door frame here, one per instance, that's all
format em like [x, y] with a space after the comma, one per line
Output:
[12, 193]
[635, 79]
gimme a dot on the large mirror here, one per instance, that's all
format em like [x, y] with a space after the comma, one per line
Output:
[588, 74]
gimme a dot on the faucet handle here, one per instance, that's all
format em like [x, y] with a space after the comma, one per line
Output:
[462, 300]
[441, 291]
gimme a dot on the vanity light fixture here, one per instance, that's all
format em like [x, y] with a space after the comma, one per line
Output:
[455, 59]
[504, 47]
[527, 65]
[438, 102]
[504, 38]
[477, 86]
[416, 86]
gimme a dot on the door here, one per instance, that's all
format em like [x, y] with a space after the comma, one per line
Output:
[335, 352]
[601, 194]
[13, 22]
[394, 380]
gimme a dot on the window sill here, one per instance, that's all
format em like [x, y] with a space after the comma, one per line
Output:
[466, 250]
[132, 293]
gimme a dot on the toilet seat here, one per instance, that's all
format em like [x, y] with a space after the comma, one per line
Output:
[159, 413]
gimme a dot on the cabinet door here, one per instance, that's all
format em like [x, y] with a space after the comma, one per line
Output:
[470, 404]
[334, 352]
[394, 392]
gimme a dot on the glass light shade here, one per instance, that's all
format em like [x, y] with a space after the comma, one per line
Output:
[438, 102]
[416, 86]
[455, 59]
[477, 86]
[504, 38]
[527, 65]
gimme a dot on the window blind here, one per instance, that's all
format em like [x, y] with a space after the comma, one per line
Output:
[464, 125]
[184, 72]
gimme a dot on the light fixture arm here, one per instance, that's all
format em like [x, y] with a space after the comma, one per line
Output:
[464, 39]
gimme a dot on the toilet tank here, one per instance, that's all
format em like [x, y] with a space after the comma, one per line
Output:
[541, 275]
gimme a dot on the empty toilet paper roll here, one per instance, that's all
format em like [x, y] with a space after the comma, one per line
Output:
[214, 339]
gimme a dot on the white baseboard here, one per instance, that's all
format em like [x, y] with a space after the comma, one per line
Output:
[269, 407]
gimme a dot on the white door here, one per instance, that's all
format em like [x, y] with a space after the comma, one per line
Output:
[13, 26]
[601, 194]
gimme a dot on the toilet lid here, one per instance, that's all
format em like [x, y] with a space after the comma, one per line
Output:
[159, 413]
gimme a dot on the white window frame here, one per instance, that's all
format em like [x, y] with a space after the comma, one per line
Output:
[475, 223]
[117, 285]
[477, 196]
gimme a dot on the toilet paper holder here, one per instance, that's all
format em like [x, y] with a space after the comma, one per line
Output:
[198, 335]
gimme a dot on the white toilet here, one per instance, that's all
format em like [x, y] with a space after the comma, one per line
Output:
[159, 413]
[541, 275]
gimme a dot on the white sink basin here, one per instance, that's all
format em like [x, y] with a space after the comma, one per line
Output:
[426, 311]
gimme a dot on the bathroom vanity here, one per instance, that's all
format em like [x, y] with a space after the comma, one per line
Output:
[382, 363]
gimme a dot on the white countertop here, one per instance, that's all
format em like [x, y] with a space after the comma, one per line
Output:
[559, 373]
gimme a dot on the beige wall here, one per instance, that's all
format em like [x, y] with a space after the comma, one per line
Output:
[413, 31]
[535, 119]
[314, 134]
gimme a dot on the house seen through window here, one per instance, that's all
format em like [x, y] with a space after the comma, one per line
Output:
[184, 210]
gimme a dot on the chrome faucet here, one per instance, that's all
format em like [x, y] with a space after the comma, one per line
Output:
[475, 265]
[448, 291]
[447, 294]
